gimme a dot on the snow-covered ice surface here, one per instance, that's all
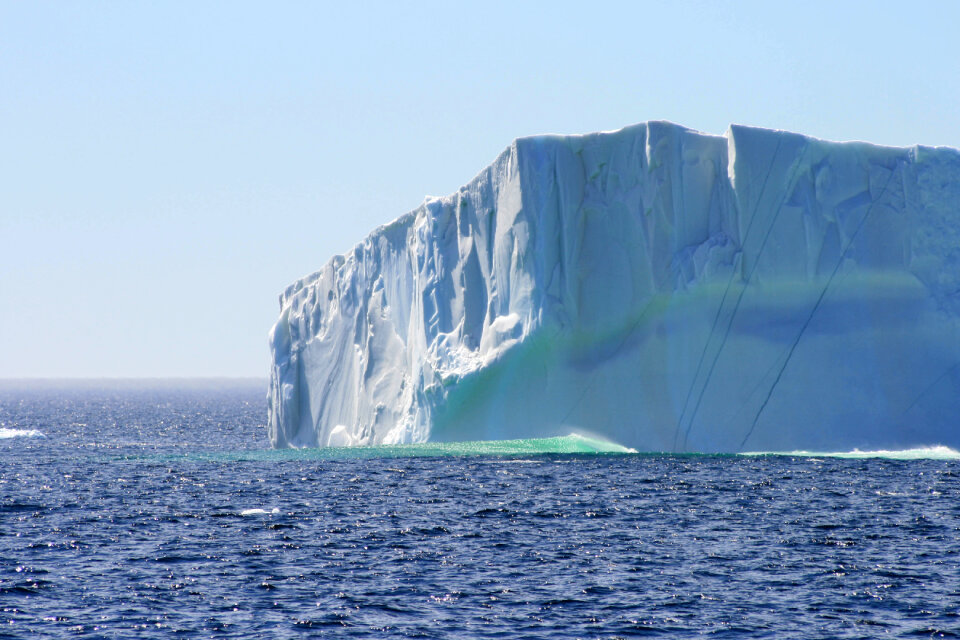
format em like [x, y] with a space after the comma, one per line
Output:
[659, 287]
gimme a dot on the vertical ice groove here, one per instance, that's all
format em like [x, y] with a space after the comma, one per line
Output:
[650, 284]
[777, 209]
[723, 300]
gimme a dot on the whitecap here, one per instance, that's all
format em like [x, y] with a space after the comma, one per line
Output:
[20, 433]
[258, 512]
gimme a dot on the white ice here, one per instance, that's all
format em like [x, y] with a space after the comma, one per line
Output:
[666, 289]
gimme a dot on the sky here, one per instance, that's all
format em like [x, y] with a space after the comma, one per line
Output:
[168, 168]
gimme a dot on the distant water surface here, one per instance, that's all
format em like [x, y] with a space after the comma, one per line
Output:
[157, 511]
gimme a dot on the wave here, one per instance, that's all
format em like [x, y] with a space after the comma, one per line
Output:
[259, 512]
[936, 452]
[20, 433]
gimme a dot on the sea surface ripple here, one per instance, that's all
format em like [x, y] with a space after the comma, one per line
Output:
[157, 512]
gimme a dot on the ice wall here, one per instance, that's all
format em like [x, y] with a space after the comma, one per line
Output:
[663, 288]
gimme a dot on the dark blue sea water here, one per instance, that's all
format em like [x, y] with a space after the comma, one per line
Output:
[157, 512]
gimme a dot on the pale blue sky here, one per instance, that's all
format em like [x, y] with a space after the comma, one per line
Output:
[167, 168]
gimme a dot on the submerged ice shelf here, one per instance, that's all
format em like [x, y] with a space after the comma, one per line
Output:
[663, 288]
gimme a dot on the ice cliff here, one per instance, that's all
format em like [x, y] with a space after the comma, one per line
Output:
[664, 288]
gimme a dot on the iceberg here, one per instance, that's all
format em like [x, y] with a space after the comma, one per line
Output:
[658, 287]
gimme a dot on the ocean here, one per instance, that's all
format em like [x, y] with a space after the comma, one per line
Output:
[157, 510]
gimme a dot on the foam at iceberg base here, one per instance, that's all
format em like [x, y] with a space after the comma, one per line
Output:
[938, 452]
[662, 288]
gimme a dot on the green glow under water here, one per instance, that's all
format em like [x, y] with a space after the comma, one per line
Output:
[526, 446]
[571, 444]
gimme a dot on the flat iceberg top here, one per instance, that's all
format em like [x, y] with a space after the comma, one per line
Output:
[666, 289]
[588, 138]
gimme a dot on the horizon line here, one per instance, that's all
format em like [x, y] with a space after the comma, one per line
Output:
[22, 378]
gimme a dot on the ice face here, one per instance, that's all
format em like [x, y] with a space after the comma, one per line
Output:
[663, 288]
